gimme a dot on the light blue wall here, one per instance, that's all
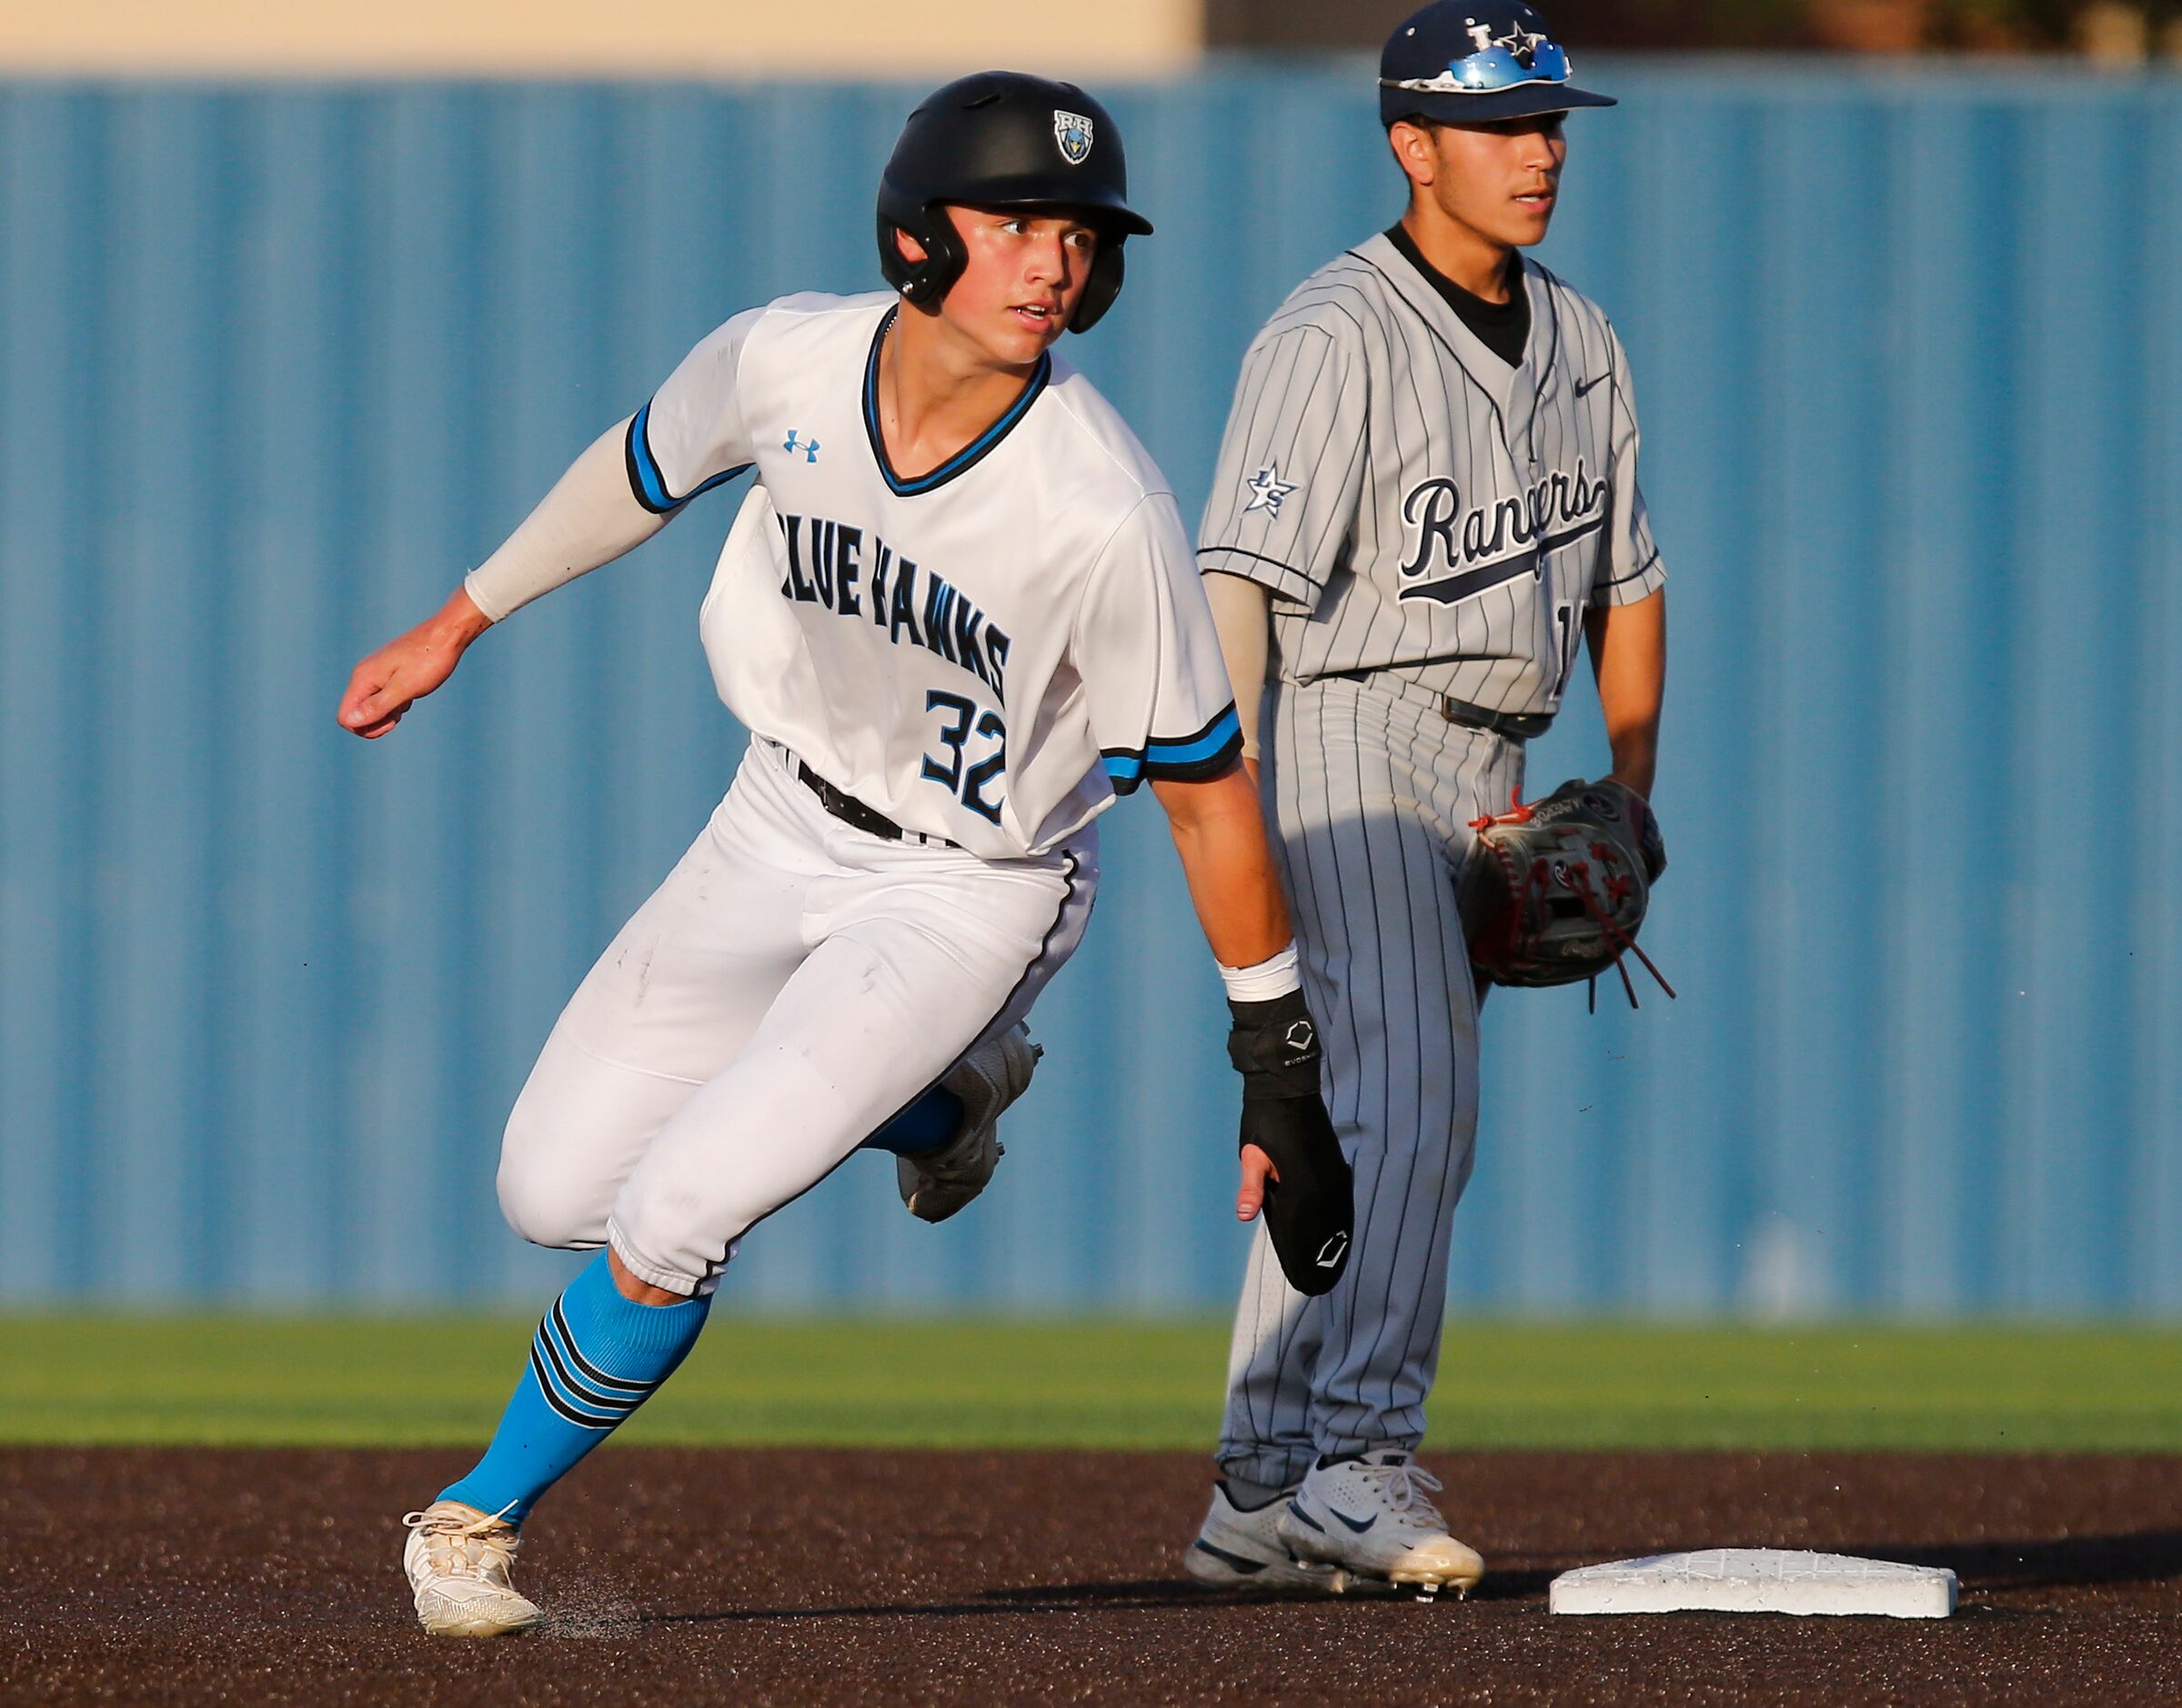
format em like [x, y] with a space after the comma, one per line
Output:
[275, 365]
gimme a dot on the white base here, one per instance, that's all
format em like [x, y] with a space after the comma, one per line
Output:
[1756, 1580]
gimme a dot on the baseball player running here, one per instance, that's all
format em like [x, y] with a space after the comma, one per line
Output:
[957, 615]
[1427, 494]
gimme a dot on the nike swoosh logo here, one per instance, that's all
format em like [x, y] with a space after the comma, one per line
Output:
[1583, 386]
[1352, 1523]
[1233, 1561]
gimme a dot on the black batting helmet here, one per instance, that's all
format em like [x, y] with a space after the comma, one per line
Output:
[1004, 140]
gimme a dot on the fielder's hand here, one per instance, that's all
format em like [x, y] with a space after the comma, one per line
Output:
[1291, 1162]
[403, 671]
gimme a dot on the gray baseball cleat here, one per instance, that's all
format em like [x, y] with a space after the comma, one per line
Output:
[1240, 1548]
[458, 1560]
[1373, 1515]
[936, 1183]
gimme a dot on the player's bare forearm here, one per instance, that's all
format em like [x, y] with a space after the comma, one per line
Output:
[1629, 661]
[1220, 833]
[407, 668]
[590, 517]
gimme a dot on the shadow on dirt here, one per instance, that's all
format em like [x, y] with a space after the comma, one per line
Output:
[2058, 1562]
[1054, 1599]
[1147, 1596]
[2051, 1562]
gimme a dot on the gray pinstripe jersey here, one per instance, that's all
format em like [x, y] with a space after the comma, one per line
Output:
[1416, 504]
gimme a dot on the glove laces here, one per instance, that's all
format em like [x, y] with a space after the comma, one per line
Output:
[1576, 876]
[1623, 943]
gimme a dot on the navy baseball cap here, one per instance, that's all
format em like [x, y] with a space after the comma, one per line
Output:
[1472, 62]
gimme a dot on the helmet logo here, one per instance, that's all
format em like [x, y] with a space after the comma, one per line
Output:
[1072, 131]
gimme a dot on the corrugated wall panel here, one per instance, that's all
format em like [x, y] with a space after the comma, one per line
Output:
[2155, 989]
[277, 363]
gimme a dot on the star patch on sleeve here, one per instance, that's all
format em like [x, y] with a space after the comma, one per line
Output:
[1266, 489]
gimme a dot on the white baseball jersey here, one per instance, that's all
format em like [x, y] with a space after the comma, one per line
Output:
[1415, 503]
[988, 652]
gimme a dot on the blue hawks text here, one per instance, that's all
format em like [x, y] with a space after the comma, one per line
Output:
[835, 565]
[829, 565]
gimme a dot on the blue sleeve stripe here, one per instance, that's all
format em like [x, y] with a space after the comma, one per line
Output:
[647, 481]
[1182, 759]
[720, 479]
[643, 476]
[1190, 749]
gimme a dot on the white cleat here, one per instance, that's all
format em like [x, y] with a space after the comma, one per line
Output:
[1240, 1549]
[1373, 1515]
[936, 1183]
[458, 1560]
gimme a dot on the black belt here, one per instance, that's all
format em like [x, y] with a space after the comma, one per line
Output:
[851, 810]
[1515, 726]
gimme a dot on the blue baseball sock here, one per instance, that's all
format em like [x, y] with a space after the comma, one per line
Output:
[597, 1358]
[930, 1120]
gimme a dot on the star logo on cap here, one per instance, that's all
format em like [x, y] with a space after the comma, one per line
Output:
[1266, 489]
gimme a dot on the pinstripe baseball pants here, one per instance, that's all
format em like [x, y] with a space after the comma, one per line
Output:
[1371, 791]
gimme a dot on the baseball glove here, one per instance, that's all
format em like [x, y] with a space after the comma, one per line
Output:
[1556, 891]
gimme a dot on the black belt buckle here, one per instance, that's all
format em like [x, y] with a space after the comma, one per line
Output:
[1515, 726]
[847, 807]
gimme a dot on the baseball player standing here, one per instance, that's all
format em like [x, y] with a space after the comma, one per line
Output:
[957, 615]
[1426, 497]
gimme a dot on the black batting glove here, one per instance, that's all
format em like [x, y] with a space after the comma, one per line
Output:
[1311, 1209]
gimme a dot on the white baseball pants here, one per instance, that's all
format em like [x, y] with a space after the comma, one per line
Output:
[793, 985]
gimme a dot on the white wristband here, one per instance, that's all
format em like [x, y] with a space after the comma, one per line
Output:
[1274, 977]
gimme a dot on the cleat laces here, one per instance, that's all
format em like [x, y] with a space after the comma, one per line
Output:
[1407, 1492]
[482, 1547]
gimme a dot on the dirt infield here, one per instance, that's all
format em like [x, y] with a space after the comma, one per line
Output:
[214, 1576]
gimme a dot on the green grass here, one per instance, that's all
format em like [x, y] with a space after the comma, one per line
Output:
[263, 1380]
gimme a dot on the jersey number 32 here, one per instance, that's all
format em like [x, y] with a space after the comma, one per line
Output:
[966, 781]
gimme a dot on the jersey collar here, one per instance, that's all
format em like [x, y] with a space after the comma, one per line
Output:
[971, 452]
[1487, 371]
